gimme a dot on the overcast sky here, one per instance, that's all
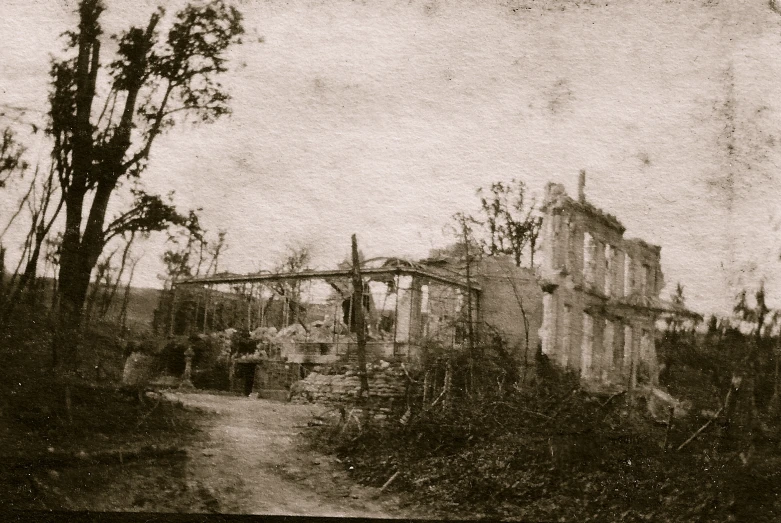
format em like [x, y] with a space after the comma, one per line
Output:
[382, 118]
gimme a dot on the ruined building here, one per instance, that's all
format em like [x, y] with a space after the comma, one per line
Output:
[591, 306]
[601, 293]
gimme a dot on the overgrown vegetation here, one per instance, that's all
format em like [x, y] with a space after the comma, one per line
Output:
[42, 428]
[551, 451]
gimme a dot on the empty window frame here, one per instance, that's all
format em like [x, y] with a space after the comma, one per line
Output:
[610, 278]
[645, 282]
[589, 258]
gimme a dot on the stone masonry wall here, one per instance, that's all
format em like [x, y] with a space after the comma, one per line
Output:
[387, 386]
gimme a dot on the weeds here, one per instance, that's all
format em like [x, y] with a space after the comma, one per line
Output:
[554, 452]
[37, 425]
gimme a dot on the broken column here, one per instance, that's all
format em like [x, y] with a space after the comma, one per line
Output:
[408, 305]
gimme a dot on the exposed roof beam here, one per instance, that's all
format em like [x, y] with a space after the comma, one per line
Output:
[336, 273]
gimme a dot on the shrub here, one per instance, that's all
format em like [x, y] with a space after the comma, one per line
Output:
[172, 357]
[242, 343]
[216, 377]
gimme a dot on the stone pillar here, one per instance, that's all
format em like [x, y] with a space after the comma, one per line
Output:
[187, 382]
[408, 303]
[547, 239]
[557, 240]
[587, 346]
[618, 269]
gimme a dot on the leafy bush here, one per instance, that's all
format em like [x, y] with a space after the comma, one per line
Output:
[216, 377]
[172, 357]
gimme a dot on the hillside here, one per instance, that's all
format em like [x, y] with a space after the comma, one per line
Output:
[140, 310]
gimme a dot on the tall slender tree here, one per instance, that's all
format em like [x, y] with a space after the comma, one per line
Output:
[98, 143]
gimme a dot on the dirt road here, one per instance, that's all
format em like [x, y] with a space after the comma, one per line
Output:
[253, 464]
[248, 459]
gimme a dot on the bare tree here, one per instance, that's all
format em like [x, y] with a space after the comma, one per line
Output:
[103, 279]
[464, 230]
[214, 250]
[52, 258]
[185, 240]
[45, 204]
[11, 152]
[297, 259]
[111, 290]
[510, 222]
[126, 295]
[758, 317]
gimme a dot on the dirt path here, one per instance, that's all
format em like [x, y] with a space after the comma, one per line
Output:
[246, 458]
[251, 462]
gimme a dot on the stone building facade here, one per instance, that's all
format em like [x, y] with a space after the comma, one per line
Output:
[510, 305]
[601, 293]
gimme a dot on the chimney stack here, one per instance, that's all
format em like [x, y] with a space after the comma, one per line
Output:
[582, 186]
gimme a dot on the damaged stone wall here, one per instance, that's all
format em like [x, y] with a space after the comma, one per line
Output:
[601, 293]
[387, 386]
[508, 294]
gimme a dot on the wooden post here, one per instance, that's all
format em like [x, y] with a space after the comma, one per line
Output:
[447, 388]
[206, 304]
[396, 282]
[351, 323]
[427, 387]
[249, 309]
[360, 323]
[262, 309]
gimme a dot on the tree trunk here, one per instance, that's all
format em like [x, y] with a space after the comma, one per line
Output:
[75, 266]
[31, 269]
[2, 271]
[74, 281]
[126, 299]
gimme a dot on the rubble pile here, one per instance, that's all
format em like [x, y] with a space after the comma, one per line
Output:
[275, 343]
[222, 340]
[387, 383]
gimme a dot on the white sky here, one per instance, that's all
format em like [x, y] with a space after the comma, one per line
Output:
[382, 118]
